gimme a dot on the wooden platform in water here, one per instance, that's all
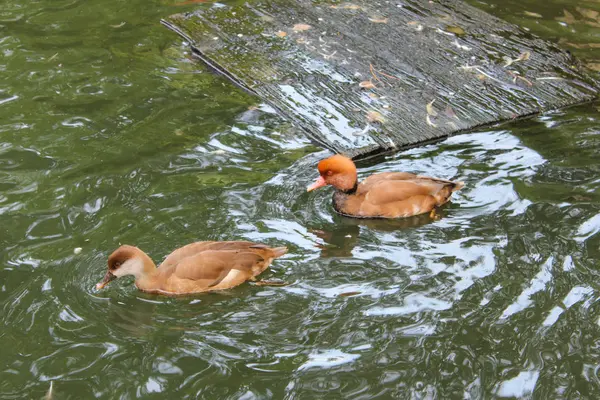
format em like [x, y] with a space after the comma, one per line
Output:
[366, 77]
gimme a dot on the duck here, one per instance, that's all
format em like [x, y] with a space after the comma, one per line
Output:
[381, 195]
[195, 268]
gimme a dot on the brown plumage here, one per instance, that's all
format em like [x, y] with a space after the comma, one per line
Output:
[194, 268]
[383, 195]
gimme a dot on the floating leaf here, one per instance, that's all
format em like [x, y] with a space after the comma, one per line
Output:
[281, 33]
[450, 113]
[379, 20]
[592, 66]
[428, 119]
[591, 14]
[568, 18]
[457, 30]
[118, 25]
[430, 110]
[532, 14]
[301, 27]
[374, 116]
[366, 85]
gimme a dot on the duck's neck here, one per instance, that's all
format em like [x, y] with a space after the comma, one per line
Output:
[341, 196]
[146, 270]
[348, 192]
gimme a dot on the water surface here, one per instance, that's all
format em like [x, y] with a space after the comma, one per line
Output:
[110, 134]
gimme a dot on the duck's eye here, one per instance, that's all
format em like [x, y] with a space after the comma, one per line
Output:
[116, 265]
[329, 173]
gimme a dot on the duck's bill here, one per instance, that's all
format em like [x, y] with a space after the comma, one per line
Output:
[107, 278]
[320, 182]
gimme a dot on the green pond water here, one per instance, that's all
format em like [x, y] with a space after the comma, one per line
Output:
[110, 134]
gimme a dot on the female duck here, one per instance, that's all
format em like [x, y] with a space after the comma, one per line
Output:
[197, 267]
[383, 195]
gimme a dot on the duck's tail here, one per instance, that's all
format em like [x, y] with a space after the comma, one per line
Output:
[279, 251]
[457, 185]
[275, 251]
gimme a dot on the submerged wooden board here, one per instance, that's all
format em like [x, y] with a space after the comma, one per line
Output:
[428, 68]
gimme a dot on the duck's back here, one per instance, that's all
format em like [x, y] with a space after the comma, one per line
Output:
[207, 266]
[396, 194]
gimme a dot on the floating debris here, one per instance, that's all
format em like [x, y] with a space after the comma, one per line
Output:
[366, 85]
[77, 250]
[374, 116]
[281, 34]
[218, 152]
[118, 25]
[301, 27]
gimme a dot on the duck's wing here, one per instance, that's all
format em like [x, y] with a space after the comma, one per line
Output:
[194, 248]
[215, 269]
[400, 194]
[375, 179]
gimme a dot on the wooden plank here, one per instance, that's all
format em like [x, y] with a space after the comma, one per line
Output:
[429, 68]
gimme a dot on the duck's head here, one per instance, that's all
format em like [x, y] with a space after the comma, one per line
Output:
[126, 260]
[338, 171]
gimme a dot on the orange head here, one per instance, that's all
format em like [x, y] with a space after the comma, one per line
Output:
[126, 260]
[338, 171]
